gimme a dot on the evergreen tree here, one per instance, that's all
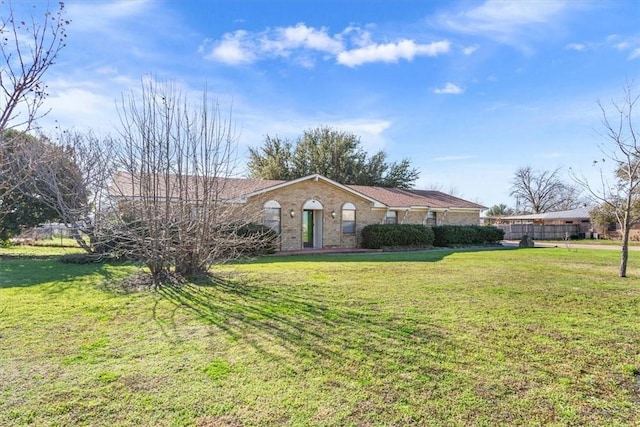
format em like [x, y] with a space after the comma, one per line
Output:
[335, 154]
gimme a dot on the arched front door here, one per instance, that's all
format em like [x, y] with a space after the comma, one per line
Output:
[312, 224]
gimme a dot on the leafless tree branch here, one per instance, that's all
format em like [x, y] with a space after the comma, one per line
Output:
[174, 207]
[621, 195]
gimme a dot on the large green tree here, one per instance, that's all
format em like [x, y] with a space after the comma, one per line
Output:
[338, 155]
[499, 210]
[23, 206]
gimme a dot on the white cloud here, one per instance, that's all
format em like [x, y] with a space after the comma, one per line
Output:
[81, 109]
[301, 43]
[233, 49]
[371, 131]
[303, 37]
[505, 17]
[623, 45]
[631, 45]
[391, 52]
[509, 22]
[358, 37]
[579, 47]
[450, 89]
[100, 16]
[470, 50]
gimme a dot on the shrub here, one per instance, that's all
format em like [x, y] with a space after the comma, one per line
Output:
[455, 235]
[111, 241]
[261, 239]
[378, 236]
[81, 258]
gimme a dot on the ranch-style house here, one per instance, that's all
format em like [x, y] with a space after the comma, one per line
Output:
[316, 212]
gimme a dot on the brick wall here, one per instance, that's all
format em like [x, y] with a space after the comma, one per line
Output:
[332, 198]
[293, 198]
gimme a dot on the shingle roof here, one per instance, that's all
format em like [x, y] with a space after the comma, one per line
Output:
[125, 185]
[399, 198]
[447, 199]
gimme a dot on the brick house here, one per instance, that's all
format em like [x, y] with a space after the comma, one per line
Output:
[317, 212]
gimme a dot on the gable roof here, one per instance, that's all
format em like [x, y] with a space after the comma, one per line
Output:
[240, 189]
[318, 177]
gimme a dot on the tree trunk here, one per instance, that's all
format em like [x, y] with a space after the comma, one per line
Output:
[624, 254]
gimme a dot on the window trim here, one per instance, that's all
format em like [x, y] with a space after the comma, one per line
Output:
[348, 208]
[272, 206]
[394, 216]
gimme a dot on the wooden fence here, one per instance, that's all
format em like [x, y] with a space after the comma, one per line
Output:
[540, 231]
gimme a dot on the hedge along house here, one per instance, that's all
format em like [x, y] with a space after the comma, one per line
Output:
[316, 212]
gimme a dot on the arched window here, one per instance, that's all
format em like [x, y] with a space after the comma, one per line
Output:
[272, 215]
[348, 218]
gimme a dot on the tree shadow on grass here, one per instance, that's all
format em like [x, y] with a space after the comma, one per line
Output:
[33, 271]
[298, 329]
[427, 255]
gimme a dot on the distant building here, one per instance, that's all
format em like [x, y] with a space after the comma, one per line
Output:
[574, 223]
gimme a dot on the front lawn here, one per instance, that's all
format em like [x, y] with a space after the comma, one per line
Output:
[491, 337]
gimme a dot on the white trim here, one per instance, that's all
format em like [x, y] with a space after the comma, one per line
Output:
[272, 204]
[312, 205]
[315, 177]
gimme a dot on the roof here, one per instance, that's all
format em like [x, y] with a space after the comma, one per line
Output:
[399, 198]
[580, 213]
[318, 177]
[126, 185]
[447, 199]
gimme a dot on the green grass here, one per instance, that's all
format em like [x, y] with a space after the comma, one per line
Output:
[66, 242]
[492, 337]
[599, 242]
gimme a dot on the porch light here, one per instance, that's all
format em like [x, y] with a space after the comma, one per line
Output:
[333, 214]
[292, 213]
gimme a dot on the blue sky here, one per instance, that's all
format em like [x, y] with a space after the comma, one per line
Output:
[468, 90]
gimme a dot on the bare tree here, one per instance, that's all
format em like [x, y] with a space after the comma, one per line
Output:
[543, 191]
[68, 176]
[73, 180]
[29, 46]
[619, 196]
[175, 208]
